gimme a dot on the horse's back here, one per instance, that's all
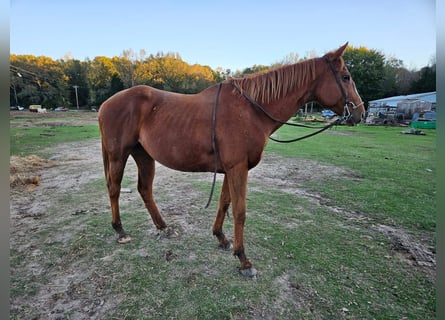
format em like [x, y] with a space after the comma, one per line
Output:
[145, 99]
[126, 101]
[173, 128]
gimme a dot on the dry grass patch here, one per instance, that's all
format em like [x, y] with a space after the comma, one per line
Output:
[24, 171]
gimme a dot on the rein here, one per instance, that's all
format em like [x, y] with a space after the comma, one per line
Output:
[214, 147]
[330, 125]
[256, 104]
[261, 108]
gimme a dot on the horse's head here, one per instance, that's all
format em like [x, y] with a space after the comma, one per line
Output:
[336, 89]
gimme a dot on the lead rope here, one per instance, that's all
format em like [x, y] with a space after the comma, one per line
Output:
[256, 104]
[330, 125]
[214, 148]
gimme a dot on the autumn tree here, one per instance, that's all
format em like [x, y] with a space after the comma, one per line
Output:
[42, 80]
[256, 68]
[76, 74]
[38, 80]
[101, 71]
[128, 67]
[167, 71]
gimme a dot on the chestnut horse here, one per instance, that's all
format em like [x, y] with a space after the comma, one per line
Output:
[220, 129]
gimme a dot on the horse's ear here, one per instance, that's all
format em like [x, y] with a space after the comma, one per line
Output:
[339, 52]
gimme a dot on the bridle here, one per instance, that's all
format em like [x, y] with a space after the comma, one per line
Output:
[347, 114]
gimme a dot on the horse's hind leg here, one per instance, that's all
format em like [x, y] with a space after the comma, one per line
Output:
[146, 173]
[224, 203]
[114, 171]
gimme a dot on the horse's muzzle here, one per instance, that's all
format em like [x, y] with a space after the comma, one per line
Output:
[354, 116]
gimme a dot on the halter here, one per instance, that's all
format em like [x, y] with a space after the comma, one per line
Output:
[347, 115]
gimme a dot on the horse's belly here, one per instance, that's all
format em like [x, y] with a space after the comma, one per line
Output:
[182, 158]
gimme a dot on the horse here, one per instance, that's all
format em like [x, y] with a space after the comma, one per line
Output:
[220, 130]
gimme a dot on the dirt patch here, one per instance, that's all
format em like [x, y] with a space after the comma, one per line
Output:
[293, 293]
[408, 249]
[281, 172]
[288, 176]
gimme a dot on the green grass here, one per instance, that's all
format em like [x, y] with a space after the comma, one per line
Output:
[31, 140]
[348, 265]
[314, 263]
[396, 173]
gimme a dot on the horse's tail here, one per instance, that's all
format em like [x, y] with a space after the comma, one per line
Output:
[106, 160]
[105, 157]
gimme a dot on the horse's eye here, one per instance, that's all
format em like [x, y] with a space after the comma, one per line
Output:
[346, 78]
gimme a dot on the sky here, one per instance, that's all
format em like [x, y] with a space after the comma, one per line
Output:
[231, 34]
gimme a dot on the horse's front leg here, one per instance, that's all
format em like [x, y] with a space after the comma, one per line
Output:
[224, 203]
[237, 180]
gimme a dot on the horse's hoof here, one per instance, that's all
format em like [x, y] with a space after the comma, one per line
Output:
[225, 246]
[124, 239]
[250, 272]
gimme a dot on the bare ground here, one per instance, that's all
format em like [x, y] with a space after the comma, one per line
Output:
[80, 290]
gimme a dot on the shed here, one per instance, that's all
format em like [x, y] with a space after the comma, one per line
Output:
[404, 104]
[408, 107]
[392, 101]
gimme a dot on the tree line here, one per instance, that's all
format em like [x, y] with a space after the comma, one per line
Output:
[72, 83]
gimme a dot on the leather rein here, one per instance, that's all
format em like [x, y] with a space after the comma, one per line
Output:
[268, 115]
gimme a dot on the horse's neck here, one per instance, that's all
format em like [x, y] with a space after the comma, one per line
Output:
[286, 107]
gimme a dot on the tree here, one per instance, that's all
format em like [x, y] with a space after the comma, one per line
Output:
[100, 73]
[41, 80]
[116, 84]
[127, 66]
[367, 67]
[404, 79]
[173, 71]
[390, 83]
[76, 73]
[198, 78]
[253, 69]
[169, 72]
[290, 58]
[426, 81]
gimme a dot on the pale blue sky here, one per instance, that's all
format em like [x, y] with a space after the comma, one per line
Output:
[231, 34]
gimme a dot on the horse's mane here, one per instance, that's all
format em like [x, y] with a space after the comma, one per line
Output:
[276, 83]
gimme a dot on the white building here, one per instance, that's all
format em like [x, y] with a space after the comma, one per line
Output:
[403, 106]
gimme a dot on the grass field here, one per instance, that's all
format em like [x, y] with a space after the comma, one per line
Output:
[32, 140]
[352, 253]
[396, 172]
